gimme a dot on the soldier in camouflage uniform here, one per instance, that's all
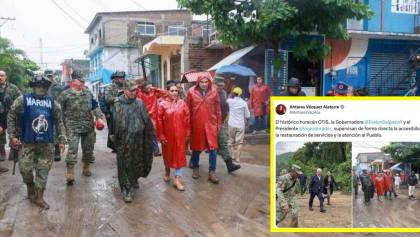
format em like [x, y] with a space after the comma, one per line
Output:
[8, 93]
[79, 120]
[31, 123]
[286, 191]
[132, 135]
[111, 93]
[222, 134]
[54, 91]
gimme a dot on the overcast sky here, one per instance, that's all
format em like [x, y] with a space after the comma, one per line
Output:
[62, 37]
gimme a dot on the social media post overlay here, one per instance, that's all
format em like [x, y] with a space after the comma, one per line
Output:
[344, 159]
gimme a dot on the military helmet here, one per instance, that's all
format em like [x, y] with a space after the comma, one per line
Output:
[39, 80]
[48, 72]
[77, 74]
[293, 82]
[118, 74]
[219, 80]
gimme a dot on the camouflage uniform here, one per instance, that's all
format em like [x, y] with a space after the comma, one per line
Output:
[287, 198]
[54, 91]
[38, 157]
[79, 122]
[132, 134]
[111, 93]
[10, 92]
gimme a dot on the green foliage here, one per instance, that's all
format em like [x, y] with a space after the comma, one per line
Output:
[334, 156]
[16, 65]
[272, 21]
[404, 152]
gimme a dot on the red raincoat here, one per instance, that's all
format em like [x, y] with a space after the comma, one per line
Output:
[150, 100]
[388, 183]
[173, 126]
[379, 182]
[206, 117]
[259, 95]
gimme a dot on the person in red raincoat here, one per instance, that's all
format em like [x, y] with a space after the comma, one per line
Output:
[206, 120]
[150, 95]
[259, 99]
[388, 184]
[173, 129]
[379, 182]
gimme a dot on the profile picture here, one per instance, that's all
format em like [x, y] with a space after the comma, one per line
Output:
[280, 109]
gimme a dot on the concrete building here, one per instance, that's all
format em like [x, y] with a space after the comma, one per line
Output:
[364, 160]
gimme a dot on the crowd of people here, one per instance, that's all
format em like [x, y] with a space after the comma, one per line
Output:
[287, 189]
[139, 116]
[384, 184]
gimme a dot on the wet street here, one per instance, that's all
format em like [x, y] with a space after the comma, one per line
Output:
[398, 212]
[238, 206]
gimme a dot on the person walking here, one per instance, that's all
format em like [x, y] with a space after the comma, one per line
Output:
[206, 120]
[173, 129]
[412, 182]
[355, 180]
[316, 187]
[397, 182]
[259, 99]
[329, 183]
[367, 186]
[30, 124]
[238, 116]
[293, 88]
[132, 136]
[79, 120]
[286, 201]
[379, 182]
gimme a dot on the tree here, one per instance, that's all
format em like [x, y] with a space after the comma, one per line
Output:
[243, 22]
[16, 65]
[408, 152]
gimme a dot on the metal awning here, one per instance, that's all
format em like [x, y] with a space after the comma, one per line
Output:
[232, 58]
[163, 44]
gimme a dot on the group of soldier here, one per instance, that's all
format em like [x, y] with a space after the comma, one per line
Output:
[40, 123]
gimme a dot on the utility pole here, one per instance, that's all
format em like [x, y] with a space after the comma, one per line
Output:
[6, 19]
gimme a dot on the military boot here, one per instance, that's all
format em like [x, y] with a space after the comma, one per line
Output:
[31, 191]
[39, 199]
[231, 166]
[57, 155]
[294, 222]
[86, 169]
[2, 153]
[70, 175]
[213, 178]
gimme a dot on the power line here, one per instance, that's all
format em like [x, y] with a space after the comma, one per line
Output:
[138, 4]
[74, 10]
[68, 14]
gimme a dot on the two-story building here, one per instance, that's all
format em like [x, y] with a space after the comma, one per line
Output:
[161, 44]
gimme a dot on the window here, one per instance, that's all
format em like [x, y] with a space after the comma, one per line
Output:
[207, 31]
[176, 30]
[146, 28]
[404, 6]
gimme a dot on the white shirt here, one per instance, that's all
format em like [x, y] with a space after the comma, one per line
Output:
[238, 111]
[397, 180]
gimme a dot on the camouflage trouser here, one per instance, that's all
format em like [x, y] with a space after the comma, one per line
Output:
[293, 209]
[222, 139]
[3, 138]
[38, 158]
[87, 140]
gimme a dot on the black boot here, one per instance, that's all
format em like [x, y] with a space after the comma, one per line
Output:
[231, 166]
[57, 154]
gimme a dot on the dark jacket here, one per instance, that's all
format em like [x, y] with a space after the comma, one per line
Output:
[332, 184]
[316, 185]
[412, 180]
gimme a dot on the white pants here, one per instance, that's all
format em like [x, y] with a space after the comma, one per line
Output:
[411, 190]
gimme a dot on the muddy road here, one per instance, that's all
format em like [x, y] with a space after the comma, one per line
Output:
[398, 212]
[238, 206]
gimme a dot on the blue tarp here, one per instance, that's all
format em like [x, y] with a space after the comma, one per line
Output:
[106, 76]
[236, 69]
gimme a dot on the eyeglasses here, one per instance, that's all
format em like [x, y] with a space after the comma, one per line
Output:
[173, 90]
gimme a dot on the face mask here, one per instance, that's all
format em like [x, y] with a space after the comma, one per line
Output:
[40, 90]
